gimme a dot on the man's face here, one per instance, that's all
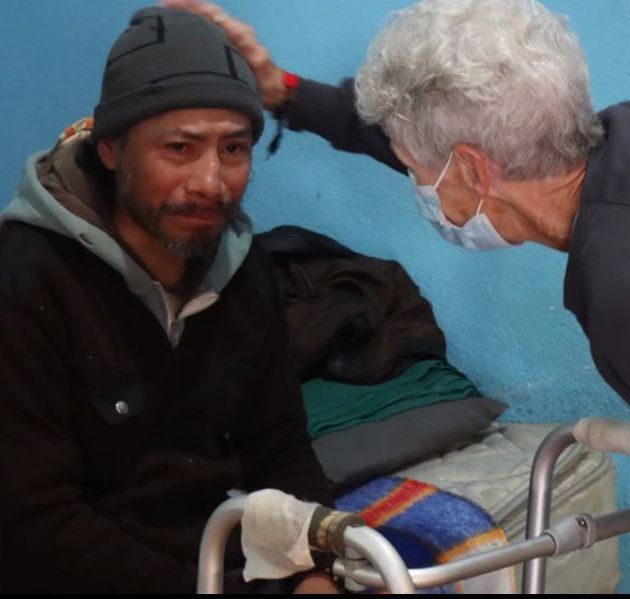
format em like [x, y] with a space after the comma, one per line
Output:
[181, 176]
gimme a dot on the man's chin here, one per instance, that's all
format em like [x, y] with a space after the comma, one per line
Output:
[191, 247]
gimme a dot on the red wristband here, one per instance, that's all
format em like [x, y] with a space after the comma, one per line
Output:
[290, 81]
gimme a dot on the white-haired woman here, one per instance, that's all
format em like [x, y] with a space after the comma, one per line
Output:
[486, 104]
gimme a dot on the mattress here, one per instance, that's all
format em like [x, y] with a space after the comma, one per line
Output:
[493, 470]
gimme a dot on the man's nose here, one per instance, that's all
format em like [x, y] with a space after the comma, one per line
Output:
[205, 177]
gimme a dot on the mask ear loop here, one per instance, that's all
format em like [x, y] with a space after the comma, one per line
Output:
[439, 179]
[442, 216]
[478, 211]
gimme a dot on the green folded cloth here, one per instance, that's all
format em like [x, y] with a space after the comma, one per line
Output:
[332, 406]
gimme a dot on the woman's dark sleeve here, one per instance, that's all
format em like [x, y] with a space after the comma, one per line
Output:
[330, 112]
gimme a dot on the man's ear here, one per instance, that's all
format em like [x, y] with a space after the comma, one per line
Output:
[474, 168]
[107, 150]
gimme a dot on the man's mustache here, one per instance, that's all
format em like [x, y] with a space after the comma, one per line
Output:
[192, 208]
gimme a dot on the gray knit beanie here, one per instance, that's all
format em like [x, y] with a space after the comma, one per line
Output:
[169, 59]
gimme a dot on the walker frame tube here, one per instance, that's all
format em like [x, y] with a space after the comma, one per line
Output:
[539, 507]
[213, 542]
[382, 555]
[467, 567]
[606, 526]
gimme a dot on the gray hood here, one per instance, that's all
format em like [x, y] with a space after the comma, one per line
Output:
[55, 194]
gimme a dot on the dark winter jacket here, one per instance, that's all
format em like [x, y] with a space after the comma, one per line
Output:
[352, 318]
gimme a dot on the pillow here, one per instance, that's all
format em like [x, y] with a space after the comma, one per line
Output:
[371, 449]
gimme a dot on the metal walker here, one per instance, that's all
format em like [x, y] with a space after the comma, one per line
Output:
[367, 559]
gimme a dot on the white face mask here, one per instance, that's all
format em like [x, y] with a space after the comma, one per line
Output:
[477, 233]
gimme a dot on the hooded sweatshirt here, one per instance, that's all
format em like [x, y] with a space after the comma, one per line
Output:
[125, 420]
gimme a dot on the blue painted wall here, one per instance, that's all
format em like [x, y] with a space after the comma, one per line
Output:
[501, 311]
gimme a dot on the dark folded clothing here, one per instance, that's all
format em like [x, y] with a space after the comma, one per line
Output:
[333, 406]
[370, 449]
[352, 318]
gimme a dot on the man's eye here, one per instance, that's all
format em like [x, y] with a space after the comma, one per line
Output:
[237, 148]
[176, 146]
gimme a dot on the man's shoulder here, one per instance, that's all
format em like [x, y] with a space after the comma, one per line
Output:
[29, 255]
[20, 242]
[256, 274]
[257, 265]
[258, 255]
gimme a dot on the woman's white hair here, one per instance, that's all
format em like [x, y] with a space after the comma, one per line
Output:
[504, 75]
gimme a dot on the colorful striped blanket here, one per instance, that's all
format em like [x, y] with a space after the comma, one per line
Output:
[428, 526]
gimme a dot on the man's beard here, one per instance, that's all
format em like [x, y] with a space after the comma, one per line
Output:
[200, 244]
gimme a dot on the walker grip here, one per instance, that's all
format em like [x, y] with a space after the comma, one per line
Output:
[327, 526]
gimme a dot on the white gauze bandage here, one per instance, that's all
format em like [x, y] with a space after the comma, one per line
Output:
[275, 535]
